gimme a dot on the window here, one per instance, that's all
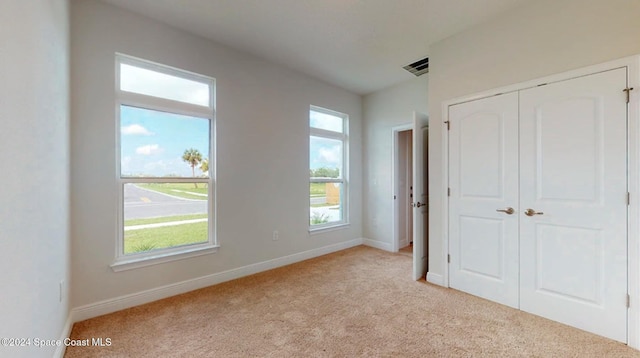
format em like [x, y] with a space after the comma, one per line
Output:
[166, 163]
[328, 149]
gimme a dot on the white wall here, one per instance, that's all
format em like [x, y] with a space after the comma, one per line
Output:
[34, 156]
[541, 38]
[384, 110]
[262, 132]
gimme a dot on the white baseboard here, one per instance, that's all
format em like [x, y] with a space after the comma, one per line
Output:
[119, 303]
[403, 243]
[66, 332]
[386, 246]
[435, 279]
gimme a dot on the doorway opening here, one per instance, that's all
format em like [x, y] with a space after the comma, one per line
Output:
[403, 190]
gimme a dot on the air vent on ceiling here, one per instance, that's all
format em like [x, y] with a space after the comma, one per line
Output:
[419, 67]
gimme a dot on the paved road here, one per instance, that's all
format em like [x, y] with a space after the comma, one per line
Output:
[318, 200]
[140, 203]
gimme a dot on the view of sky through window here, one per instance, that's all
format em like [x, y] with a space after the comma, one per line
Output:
[325, 153]
[153, 142]
[327, 185]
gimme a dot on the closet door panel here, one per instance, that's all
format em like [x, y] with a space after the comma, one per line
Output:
[573, 243]
[484, 179]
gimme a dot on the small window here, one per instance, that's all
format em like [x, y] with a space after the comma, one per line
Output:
[138, 79]
[166, 162]
[327, 168]
[330, 122]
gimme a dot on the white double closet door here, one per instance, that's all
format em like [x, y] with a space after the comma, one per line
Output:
[538, 202]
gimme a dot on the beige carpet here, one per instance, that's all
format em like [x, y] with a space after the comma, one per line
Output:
[407, 250]
[355, 303]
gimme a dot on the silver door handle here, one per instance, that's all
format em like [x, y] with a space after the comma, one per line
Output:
[507, 211]
[531, 212]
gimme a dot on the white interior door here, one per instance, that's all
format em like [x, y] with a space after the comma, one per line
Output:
[573, 249]
[420, 196]
[483, 202]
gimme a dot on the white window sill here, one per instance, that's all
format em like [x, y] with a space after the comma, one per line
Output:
[322, 229]
[126, 263]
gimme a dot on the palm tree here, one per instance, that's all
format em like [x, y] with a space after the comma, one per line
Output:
[193, 158]
[204, 166]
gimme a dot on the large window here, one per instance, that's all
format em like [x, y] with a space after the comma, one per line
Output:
[328, 149]
[166, 162]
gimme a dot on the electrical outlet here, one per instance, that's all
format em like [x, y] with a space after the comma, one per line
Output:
[276, 235]
[61, 296]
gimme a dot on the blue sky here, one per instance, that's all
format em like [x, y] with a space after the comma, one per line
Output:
[152, 143]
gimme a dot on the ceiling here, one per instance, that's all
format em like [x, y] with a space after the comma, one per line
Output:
[360, 45]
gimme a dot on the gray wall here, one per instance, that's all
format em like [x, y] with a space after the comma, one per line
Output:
[262, 133]
[34, 156]
[384, 110]
[541, 38]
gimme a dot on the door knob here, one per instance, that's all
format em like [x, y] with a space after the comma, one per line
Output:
[507, 211]
[531, 212]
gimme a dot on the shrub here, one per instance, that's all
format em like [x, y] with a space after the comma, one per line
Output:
[319, 218]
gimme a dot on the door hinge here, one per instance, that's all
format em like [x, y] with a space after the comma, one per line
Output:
[448, 125]
[628, 92]
[448, 191]
[394, 197]
[628, 301]
[448, 258]
[628, 198]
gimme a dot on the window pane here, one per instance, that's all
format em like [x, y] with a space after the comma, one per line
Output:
[157, 84]
[164, 215]
[325, 158]
[326, 121]
[326, 203]
[160, 144]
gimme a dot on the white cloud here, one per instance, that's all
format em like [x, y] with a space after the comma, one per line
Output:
[135, 129]
[149, 149]
[330, 155]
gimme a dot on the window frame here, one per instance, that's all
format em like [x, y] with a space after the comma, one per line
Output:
[344, 171]
[131, 99]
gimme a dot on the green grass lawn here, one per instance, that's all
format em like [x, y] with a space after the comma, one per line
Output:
[164, 219]
[317, 189]
[178, 189]
[163, 237]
